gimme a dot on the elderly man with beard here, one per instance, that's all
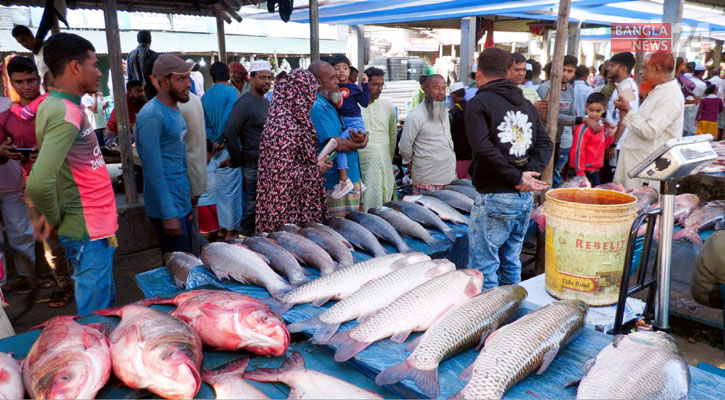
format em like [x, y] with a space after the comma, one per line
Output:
[426, 144]
[243, 134]
[161, 144]
[659, 118]
[328, 124]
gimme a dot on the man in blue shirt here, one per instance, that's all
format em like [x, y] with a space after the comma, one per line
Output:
[161, 144]
[218, 102]
[328, 124]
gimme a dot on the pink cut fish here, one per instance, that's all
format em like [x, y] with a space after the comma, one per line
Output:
[685, 204]
[230, 321]
[228, 382]
[11, 380]
[67, 361]
[710, 215]
[152, 350]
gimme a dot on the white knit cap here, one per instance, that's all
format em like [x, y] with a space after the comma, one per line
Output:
[260, 65]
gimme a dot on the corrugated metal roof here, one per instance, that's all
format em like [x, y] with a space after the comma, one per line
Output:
[186, 42]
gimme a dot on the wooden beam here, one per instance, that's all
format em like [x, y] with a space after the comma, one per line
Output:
[230, 10]
[552, 115]
[314, 31]
[119, 101]
[221, 38]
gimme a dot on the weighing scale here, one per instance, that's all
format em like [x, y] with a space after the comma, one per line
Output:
[675, 159]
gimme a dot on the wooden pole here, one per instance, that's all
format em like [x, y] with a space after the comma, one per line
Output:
[552, 115]
[717, 54]
[314, 31]
[221, 39]
[572, 47]
[119, 100]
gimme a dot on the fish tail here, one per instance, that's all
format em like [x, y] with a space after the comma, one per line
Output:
[323, 331]
[283, 289]
[295, 362]
[111, 312]
[688, 234]
[236, 367]
[156, 300]
[279, 307]
[404, 248]
[348, 346]
[437, 245]
[426, 380]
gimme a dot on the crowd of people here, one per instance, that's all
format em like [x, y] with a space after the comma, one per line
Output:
[240, 158]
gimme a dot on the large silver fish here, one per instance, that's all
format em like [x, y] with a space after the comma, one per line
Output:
[371, 297]
[380, 228]
[454, 199]
[344, 281]
[152, 350]
[440, 207]
[279, 258]
[423, 215]
[414, 311]
[404, 224]
[469, 191]
[179, 264]
[516, 350]
[243, 265]
[305, 250]
[464, 326]
[307, 383]
[641, 365]
[358, 235]
[330, 244]
[331, 231]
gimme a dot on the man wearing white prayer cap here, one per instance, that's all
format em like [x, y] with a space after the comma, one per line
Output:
[243, 133]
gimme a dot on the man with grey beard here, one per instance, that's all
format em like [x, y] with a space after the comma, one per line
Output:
[328, 124]
[426, 144]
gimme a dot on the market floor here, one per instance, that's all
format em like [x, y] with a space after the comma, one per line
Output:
[125, 268]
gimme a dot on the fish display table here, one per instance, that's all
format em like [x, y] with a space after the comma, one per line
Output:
[316, 358]
[384, 354]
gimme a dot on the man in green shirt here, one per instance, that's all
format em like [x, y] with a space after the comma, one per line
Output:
[69, 183]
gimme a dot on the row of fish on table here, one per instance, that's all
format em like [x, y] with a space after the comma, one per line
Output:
[274, 260]
[689, 211]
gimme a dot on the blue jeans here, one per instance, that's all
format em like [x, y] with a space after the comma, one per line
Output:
[351, 123]
[92, 262]
[249, 204]
[561, 160]
[169, 244]
[498, 225]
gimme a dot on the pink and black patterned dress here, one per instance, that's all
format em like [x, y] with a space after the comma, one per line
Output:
[290, 186]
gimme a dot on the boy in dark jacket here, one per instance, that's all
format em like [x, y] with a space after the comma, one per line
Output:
[587, 150]
[510, 148]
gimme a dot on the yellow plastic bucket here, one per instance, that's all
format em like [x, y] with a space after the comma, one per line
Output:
[586, 241]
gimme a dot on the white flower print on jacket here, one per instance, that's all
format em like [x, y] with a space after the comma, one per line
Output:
[516, 129]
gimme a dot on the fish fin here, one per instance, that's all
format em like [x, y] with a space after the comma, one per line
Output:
[264, 258]
[413, 344]
[213, 311]
[548, 358]
[323, 332]
[98, 326]
[449, 234]
[426, 380]
[295, 362]
[482, 341]
[688, 234]
[348, 346]
[617, 339]
[401, 337]
[472, 288]
[574, 382]
[588, 364]
[467, 373]
[279, 307]
[286, 288]
[364, 317]
[437, 245]
[404, 248]
[236, 367]
[109, 312]
[320, 302]
[156, 300]
[493, 334]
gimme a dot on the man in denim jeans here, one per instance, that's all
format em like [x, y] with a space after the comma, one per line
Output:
[69, 183]
[510, 148]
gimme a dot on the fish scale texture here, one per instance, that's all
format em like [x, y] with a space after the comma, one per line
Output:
[518, 348]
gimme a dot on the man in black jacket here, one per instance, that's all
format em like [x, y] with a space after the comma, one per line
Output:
[510, 148]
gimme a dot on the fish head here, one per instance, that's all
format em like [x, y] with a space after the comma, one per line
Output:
[518, 292]
[65, 378]
[174, 363]
[264, 332]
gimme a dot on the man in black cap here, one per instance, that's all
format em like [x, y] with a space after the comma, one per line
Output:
[161, 144]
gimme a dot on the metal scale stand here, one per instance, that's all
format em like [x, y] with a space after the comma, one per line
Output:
[674, 160]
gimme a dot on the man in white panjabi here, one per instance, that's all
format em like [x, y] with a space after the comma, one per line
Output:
[659, 118]
[426, 144]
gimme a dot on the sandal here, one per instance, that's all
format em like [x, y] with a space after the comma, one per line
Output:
[47, 283]
[60, 298]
